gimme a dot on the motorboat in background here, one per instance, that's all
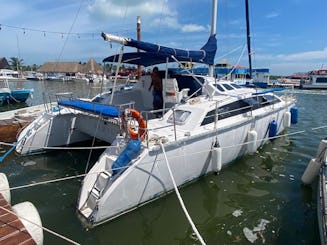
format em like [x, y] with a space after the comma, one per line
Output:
[317, 80]
[34, 76]
[7, 74]
[12, 96]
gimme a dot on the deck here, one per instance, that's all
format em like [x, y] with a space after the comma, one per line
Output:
[12, 230]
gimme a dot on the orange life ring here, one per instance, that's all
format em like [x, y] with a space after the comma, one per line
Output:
[141, 133]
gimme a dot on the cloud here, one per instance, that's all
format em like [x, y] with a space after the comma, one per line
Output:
[173, 23]
[296, 57]
[155, 12]
[309, 55]
[193, 28]
[11, 10]
[288, 68]
[104, 9]
[272, 15]
[284, 64]
[167, 21]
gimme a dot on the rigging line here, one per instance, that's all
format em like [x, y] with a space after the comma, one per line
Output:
[238, 61]
[116, 74]
[125, 167]
[180, 198]
[70, 29]
[160, 20]
[125, 13]
[105, 147]
[103, 75]
[143, 164]
[47, 182]
[93, 141]
[230, 52]
[42, 227]
[46, 31]
[191, 74]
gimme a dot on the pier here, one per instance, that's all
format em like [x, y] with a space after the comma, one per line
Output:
[12, 230]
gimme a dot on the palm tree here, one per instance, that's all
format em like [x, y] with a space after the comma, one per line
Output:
[16, 63]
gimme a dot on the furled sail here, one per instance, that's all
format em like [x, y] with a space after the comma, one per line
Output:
[159, 53]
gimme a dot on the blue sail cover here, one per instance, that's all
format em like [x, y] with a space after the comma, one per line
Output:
[156, 54]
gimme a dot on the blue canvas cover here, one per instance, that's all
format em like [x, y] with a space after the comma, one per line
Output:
[96, 108]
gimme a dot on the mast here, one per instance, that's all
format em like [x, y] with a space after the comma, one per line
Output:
[248, 36]
[138, 30]
[213, 28]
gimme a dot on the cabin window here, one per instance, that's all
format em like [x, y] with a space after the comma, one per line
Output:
[180, 116]
[234, 85]
[228, 87]
[209, 118]
[229, 110]
[219, 87]
[270, 99]
[253, 102]
[233, 109]
[321, 80]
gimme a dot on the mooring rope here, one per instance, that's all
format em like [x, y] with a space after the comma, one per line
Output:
[46, 182]
[181, 200]
[105, 147]
[143, 164]
[93, 141]
[168, 166]
[42, 227]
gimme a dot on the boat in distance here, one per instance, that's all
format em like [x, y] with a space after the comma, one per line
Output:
[317, 80]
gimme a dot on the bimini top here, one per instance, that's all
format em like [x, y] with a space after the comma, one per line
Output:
[156, 54]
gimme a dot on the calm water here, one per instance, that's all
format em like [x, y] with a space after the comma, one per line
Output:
[262, 186]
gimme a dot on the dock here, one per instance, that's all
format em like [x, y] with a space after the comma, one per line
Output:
[12, 230]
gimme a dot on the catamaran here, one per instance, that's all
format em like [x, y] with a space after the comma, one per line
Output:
[204, 125]
[204, 130]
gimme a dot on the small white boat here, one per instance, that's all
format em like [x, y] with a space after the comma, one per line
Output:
[318, 167]
[33, 75]
[7, 74]
[317, 80]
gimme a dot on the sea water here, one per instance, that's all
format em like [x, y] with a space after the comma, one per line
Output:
[256, 199]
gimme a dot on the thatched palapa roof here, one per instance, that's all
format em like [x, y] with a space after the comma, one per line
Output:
[64, 67]
[92, 67]
[71, 67]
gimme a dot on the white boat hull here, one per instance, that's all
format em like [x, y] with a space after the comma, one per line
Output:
[53, 129]
[148, 178]
[66, 126]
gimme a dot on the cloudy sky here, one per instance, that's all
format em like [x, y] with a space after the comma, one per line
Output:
[287, 36]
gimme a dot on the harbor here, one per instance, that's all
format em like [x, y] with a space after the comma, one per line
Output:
[167, 141]
[261, 189]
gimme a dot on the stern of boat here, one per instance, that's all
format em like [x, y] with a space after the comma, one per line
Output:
[97, 181]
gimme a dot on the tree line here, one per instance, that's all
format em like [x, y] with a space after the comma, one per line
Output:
[18, 65]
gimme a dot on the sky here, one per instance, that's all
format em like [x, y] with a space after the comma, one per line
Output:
[287, 36]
